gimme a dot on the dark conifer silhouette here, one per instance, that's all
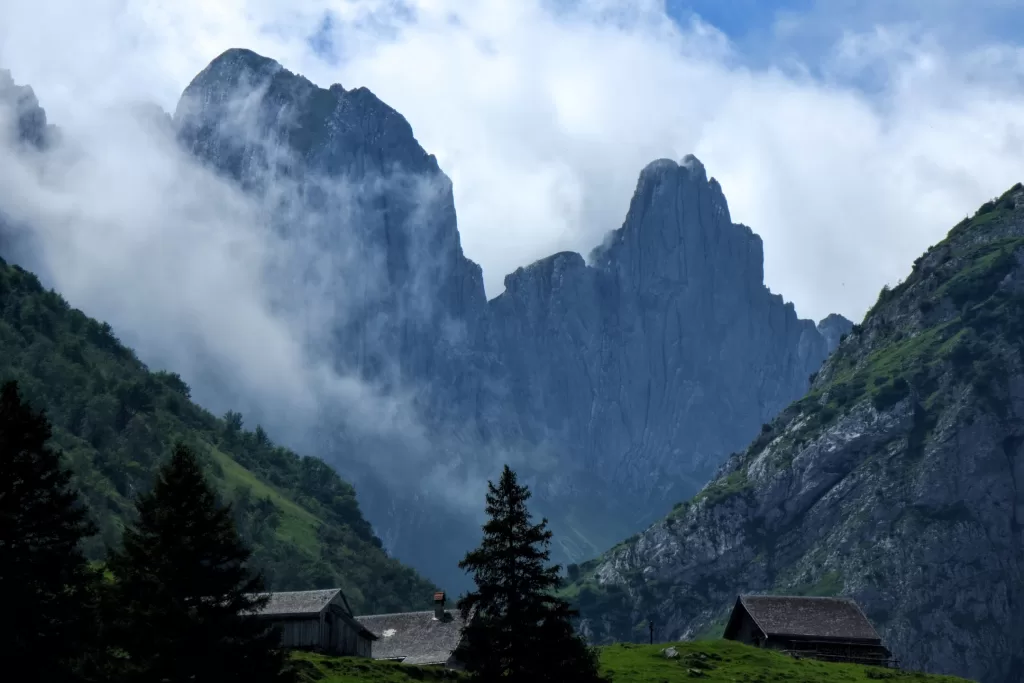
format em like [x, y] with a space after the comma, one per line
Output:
[45, 581]
[519, 631]
[184, 592]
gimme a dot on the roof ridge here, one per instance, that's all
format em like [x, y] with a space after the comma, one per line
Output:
[839, 598]
[395, 614]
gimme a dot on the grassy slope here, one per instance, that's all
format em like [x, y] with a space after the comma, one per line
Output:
[116, 421]
[716, 661]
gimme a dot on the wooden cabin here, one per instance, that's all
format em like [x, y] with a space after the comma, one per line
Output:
[425, 638]
[318, 620]
[830, 629]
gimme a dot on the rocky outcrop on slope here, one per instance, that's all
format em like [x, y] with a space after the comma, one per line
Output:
[896, 480]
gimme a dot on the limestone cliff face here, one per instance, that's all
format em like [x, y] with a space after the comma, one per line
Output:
[22, 120]
[896, 480]
[615, 384]
[667, 352]
[344, 175]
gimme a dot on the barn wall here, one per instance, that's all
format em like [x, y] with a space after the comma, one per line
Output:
[345, 639]
[364, 647]
[858, 652]
[299, 633]
[747, 629]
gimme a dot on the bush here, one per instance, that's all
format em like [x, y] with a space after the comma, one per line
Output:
[891, 393]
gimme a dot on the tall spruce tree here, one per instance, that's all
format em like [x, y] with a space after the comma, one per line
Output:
[518, 631]
[46, 583]
[184, 593]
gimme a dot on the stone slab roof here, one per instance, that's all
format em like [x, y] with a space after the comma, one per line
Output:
[809, 617]
[297, 603]
[414, 637]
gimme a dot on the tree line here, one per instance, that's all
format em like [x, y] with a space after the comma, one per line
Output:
[177, 599]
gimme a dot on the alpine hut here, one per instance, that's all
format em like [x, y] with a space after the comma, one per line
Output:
[318, 620]
[832, 629]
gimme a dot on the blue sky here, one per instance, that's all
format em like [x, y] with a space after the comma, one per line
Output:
[956, 20]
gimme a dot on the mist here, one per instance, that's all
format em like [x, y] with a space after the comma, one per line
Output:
[243, 293]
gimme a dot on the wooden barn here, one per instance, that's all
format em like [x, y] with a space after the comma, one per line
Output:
[424, 638]
[318, 620]
[831, 629]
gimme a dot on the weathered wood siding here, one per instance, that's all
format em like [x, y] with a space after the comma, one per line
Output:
[299, 633]
[332, 630]
[344, 636]
[747, 631]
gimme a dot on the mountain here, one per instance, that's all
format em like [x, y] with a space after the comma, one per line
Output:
[626, 381]
[896, 480]
[615, 384]
[116, 422]
[667, 353]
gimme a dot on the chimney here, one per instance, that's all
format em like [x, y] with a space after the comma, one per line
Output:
[439, 606]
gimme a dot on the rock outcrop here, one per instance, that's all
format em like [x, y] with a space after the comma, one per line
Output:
[896, 480]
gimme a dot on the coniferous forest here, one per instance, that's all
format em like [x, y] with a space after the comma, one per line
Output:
[115, 421]
[178, 599]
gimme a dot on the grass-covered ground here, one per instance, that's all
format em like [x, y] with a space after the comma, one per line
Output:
[314, 668]
[725, 661]
[714, 661]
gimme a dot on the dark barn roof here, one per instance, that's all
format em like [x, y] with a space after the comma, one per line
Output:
[806, 617]
[309, 604]
[298, 603]
[414, 637]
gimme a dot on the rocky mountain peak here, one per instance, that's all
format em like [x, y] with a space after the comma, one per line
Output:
[832, 327]
[245, 113]
[551, 269]
[21, 114]
[678, 233]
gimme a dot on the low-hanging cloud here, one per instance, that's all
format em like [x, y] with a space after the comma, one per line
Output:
[543, 112]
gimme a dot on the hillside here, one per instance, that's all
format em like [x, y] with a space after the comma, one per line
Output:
[896, 480]
[116, 421]
[718, 661]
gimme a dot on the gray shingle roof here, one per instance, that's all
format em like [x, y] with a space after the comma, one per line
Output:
[298, 602]
[414, 637]
[809, 617]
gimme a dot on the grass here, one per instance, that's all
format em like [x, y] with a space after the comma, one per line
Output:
[731, 485]
[714, 661]
[725, 661]
[297, 524]
[316, 668]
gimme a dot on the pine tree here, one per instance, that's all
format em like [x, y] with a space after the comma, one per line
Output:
[517, 630]
[45, 581]
[184, 592]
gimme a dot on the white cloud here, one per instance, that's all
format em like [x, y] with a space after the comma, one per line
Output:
[543, 119]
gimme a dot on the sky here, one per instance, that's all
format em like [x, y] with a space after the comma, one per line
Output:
[849, 135]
